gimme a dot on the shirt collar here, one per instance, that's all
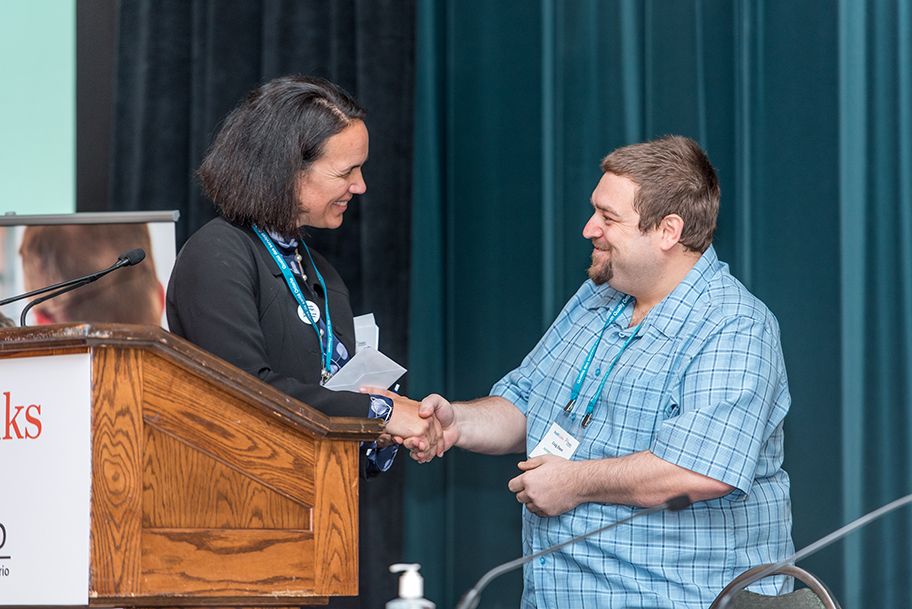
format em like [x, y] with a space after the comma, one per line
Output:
[667, 316]
[601, 296]
[670, 314]
[282, 242]
[286, 249]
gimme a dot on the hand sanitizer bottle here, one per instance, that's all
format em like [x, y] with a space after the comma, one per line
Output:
[411, 588]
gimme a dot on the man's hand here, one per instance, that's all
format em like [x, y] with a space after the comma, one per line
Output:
[548, 486]
[489, 425]
[437, 408]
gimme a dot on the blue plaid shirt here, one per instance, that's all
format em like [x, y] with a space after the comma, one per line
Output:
[703, 386]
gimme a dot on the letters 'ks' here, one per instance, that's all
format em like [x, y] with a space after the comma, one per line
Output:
[28, 427]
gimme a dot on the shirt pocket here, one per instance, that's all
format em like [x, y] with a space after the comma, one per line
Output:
[634, 404]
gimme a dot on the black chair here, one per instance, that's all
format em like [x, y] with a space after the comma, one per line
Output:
[815, 596]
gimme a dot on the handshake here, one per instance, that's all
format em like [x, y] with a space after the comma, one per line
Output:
[427, 428]
[547, 485]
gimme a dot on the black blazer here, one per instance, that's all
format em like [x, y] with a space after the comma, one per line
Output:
[227, 295]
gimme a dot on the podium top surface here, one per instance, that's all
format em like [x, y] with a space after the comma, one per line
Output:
[59, 338]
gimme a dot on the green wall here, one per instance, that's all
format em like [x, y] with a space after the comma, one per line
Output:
[37, 106]
[805, 109]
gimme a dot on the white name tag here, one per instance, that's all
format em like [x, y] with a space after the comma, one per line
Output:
[557, 441]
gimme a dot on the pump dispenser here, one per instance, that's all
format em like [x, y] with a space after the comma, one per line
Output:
[411, 588]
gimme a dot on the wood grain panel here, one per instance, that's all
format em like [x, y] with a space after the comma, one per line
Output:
[336, 519]
[116, 471]
[262, 601]
[237, 453]
[184, 488]
[269, 401]
[173, 601]
[41, 352]
[225, 562]
[223, 427]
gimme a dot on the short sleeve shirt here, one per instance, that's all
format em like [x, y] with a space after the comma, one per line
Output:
[702, 385]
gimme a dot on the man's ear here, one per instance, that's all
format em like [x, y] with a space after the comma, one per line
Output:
[159, 301]
[670, 229]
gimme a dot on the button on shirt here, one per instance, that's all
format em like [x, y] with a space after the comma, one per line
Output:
[703, 386]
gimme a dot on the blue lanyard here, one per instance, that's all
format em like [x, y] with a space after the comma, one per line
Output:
[327, 350]
[590, 407]
[584, 370]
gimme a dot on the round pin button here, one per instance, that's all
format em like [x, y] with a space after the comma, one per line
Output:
[314, 312]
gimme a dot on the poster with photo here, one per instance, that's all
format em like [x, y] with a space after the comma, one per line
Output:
[38, 251]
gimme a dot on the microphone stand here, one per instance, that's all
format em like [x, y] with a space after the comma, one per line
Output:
[72, 286]
[818, 545]
[128, 259]
[471, 598]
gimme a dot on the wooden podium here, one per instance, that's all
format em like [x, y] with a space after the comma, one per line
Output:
[209, 487]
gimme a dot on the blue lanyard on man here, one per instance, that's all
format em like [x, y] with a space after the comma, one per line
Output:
[326, 350]
[584, 370]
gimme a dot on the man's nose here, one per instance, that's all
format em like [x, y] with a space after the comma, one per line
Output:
[592, 230]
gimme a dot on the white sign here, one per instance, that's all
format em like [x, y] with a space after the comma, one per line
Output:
[45, 455]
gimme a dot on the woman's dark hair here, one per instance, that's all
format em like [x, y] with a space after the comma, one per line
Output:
[250, 171]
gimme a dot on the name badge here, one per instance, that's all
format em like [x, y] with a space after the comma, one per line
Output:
[557, 441]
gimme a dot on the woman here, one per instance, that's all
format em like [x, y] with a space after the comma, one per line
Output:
[247, 287]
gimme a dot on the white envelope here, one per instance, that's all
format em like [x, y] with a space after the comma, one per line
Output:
[367, 334]
[369, 368]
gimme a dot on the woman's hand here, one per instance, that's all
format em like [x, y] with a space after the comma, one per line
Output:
[405, 423]
[384, 440]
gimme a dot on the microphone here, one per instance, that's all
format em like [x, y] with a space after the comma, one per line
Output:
[471, 598]
[130, 258]
[818, 545]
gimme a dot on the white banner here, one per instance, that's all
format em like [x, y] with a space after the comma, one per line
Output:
[45, 456]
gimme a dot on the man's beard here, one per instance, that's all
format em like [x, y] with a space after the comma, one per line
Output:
[600, 272]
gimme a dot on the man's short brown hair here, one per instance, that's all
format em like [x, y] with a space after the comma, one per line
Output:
[674, 176]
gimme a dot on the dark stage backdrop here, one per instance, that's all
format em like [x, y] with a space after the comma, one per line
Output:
[181, 66]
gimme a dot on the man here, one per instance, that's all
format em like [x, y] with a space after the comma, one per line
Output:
[674, 380]
[55, 253]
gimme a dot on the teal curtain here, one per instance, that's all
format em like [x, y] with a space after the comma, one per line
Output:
[875, 126]
[805, 109]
